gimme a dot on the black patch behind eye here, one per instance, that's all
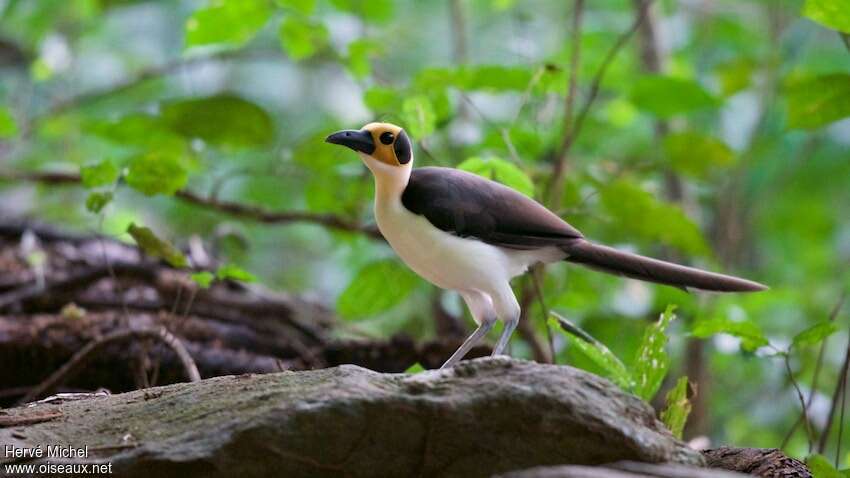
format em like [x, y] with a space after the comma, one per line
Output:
[402, 148]
[386, 137]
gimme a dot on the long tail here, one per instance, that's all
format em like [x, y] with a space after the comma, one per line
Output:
[613, 261]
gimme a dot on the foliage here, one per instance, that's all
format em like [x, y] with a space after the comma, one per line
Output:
[227, 22]
[664, 96]
[818, 101]
[820, 467]
[834, 14]
[223, 120]
[8, 127]
[156, 173]
[678, 407]
[204, 279]
[814, 334]
[414, 369]
[651, 361]
[697, 154]
[649, 366]
[375, 288]
[154, 246]
[749, 332]
[596, 351]
[499, 170]
[645, 217]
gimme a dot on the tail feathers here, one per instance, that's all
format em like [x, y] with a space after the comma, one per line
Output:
[618, 262]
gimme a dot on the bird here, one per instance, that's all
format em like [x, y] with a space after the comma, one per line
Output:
[463, 232]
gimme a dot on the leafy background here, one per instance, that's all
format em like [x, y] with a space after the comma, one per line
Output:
[713, 134]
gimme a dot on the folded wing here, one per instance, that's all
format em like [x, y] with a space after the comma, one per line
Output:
[468, 205]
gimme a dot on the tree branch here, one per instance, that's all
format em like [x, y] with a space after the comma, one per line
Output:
[573, 129]
[244, 211]
[142, 76]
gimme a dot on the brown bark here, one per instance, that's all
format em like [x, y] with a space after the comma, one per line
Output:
[766, 462]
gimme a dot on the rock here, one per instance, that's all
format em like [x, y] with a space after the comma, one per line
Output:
[483, 417]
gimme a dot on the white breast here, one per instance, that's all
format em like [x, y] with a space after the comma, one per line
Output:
[449, 261]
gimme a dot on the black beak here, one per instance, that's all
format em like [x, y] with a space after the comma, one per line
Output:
[358, 140]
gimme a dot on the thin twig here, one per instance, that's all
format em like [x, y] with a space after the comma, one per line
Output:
[525, 329]
[596, 82]
[245, 211]
[16, 421]
[816, 375]
[787, 360]
[560, 166]
[544, 311]
[824, 438]
[81, 358]
[841, 419]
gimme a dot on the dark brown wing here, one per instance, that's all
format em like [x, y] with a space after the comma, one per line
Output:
[467, 205]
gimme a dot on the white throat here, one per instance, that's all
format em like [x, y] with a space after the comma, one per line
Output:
[390, 181]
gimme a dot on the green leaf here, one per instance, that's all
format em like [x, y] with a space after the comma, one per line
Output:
[500, 170]
[665, 96]
[137, 129]
[223, 120]
[360, 53]
[735, 75]
[414, 369]
[156, 173]
[419, 116]
[301, 39]
[96, 201]
[230, 23]
[375, 288]
[203, 279]
[651, 360]
[638, 214]
[494, 78]
[696, 154]
[380, 99]
[750, 334]
[818, 101]
[99, 174]
[8, 126]
[814, 334]
[595, 350]
[234, 272]
[821, 467]
[304, 7]
[377, 11]
[154, 246]
[677, 409]
[336, 193]
[833, 14]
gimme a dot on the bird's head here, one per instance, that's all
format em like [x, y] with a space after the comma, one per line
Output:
[384, 147]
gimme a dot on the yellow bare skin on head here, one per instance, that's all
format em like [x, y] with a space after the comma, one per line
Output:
[383, 152]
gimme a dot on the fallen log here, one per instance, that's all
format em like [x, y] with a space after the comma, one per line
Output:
[767, 462]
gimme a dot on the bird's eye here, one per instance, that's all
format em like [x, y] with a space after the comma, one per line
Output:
[387, 137]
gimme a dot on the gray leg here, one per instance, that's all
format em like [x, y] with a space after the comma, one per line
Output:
[470, 342]
[510, 325]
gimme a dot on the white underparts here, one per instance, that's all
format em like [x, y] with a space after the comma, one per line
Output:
[479, 271]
